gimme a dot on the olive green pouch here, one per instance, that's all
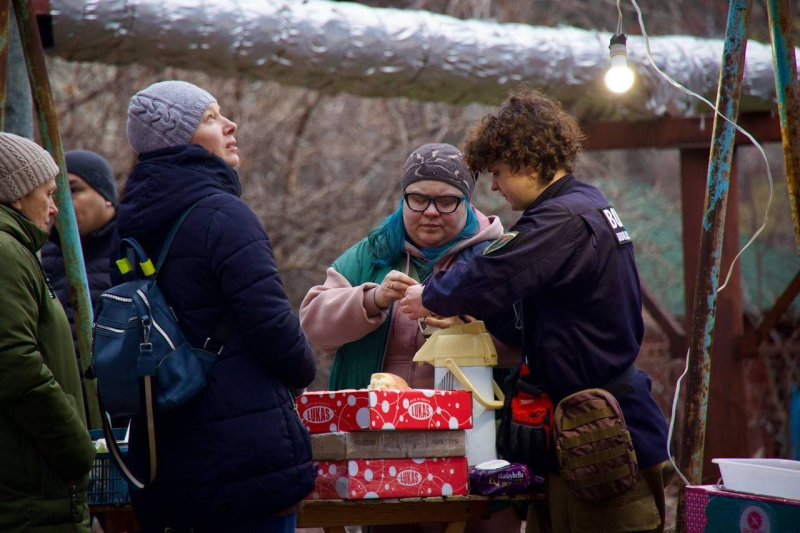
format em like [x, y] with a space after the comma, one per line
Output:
[593, 446]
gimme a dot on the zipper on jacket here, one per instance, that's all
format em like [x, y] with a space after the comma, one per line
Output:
[73, 502]
[44, 275]
[50, 288]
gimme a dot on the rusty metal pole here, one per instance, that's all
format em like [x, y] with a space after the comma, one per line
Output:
[783, 58]
[5, 9]
[726, 428]
[67, 226]
[705, 296]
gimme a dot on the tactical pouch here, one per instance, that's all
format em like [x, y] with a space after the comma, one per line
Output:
[525, 434]
[593, 446]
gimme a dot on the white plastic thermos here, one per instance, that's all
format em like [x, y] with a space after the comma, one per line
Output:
[463, 357]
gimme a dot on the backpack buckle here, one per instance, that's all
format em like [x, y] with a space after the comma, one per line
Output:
[146, 363]
[211, 348]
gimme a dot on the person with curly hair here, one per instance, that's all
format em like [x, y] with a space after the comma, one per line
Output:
[568, 268]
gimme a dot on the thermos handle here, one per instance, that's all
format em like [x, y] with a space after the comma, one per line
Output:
[498, 392]
[459, 375]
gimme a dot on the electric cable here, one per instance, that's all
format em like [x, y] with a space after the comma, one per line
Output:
[749, 242]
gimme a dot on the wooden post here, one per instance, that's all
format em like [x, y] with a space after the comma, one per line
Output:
[727, 428]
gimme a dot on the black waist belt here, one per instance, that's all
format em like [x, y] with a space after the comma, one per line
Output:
[622, 384]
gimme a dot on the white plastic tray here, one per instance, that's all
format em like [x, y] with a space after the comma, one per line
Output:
[769, 477]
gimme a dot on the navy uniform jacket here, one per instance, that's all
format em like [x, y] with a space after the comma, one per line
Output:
[571, 267]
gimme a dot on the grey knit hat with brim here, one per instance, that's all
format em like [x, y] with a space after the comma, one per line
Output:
[165, 114]
[24, 165]
[439, 162]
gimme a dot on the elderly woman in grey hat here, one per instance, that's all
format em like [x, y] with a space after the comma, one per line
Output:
[434, 226]
[46, 451]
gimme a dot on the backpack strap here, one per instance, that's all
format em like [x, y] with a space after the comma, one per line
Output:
[216, 342]
[146, 389]
[173, 231]
[622, 385]
[146, 369]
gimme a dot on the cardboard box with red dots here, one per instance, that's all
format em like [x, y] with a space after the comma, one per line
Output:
[357, 479]
[363, 410]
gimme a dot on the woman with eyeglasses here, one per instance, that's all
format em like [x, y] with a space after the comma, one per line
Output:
[435, 226]
[353, 314]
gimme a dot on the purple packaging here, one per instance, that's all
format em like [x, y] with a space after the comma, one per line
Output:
[500, 477]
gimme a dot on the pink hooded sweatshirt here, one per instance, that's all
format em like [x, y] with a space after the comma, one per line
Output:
[336, 313]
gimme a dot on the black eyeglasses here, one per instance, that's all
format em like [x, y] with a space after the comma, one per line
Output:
[420, 202]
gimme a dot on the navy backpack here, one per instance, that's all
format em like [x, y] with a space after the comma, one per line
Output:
[141, 358]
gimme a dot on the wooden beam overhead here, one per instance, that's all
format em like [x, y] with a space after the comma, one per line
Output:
[668, 132]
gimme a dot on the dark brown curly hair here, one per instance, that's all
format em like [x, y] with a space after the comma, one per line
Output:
[528, 129]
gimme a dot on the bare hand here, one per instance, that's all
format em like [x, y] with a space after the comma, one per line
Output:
[393, 287]
[411, 304]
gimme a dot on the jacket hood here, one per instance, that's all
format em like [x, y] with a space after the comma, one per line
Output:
[18, 226]
[164, 183]
[489, 229]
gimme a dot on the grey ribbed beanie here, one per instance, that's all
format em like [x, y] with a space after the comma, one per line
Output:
[165, 114]
[24, 165]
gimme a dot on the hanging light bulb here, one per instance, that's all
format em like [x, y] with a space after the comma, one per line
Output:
[619, 77]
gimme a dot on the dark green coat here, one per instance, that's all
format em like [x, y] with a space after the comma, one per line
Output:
[43, 439]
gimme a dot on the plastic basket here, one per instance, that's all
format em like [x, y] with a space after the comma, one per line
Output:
[106, 484]
[779, 478]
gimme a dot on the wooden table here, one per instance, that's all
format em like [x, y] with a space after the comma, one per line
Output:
[333, 515]
[455, 511]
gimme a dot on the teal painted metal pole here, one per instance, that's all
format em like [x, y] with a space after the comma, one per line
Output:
[19, 103]
[5, 10]
[783, 57]
[705, 296]
[67, 225]
[16, 104]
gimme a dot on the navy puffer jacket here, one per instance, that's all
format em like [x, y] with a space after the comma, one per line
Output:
[96, 248]
[238, 451]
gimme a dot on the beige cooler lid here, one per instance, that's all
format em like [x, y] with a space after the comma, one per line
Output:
[468, 345]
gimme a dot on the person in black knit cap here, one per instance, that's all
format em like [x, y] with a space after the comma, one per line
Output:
[94, 197]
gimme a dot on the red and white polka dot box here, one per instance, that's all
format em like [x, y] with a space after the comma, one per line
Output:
[357, 479]
[362, 410]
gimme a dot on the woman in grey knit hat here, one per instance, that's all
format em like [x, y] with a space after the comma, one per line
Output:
[237, 457]
[46, 451]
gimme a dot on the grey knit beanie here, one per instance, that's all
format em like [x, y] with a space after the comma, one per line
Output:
[439, 162]
[165, 114]
[24, 165]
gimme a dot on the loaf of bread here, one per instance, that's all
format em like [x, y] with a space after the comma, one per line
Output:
[386, 381]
